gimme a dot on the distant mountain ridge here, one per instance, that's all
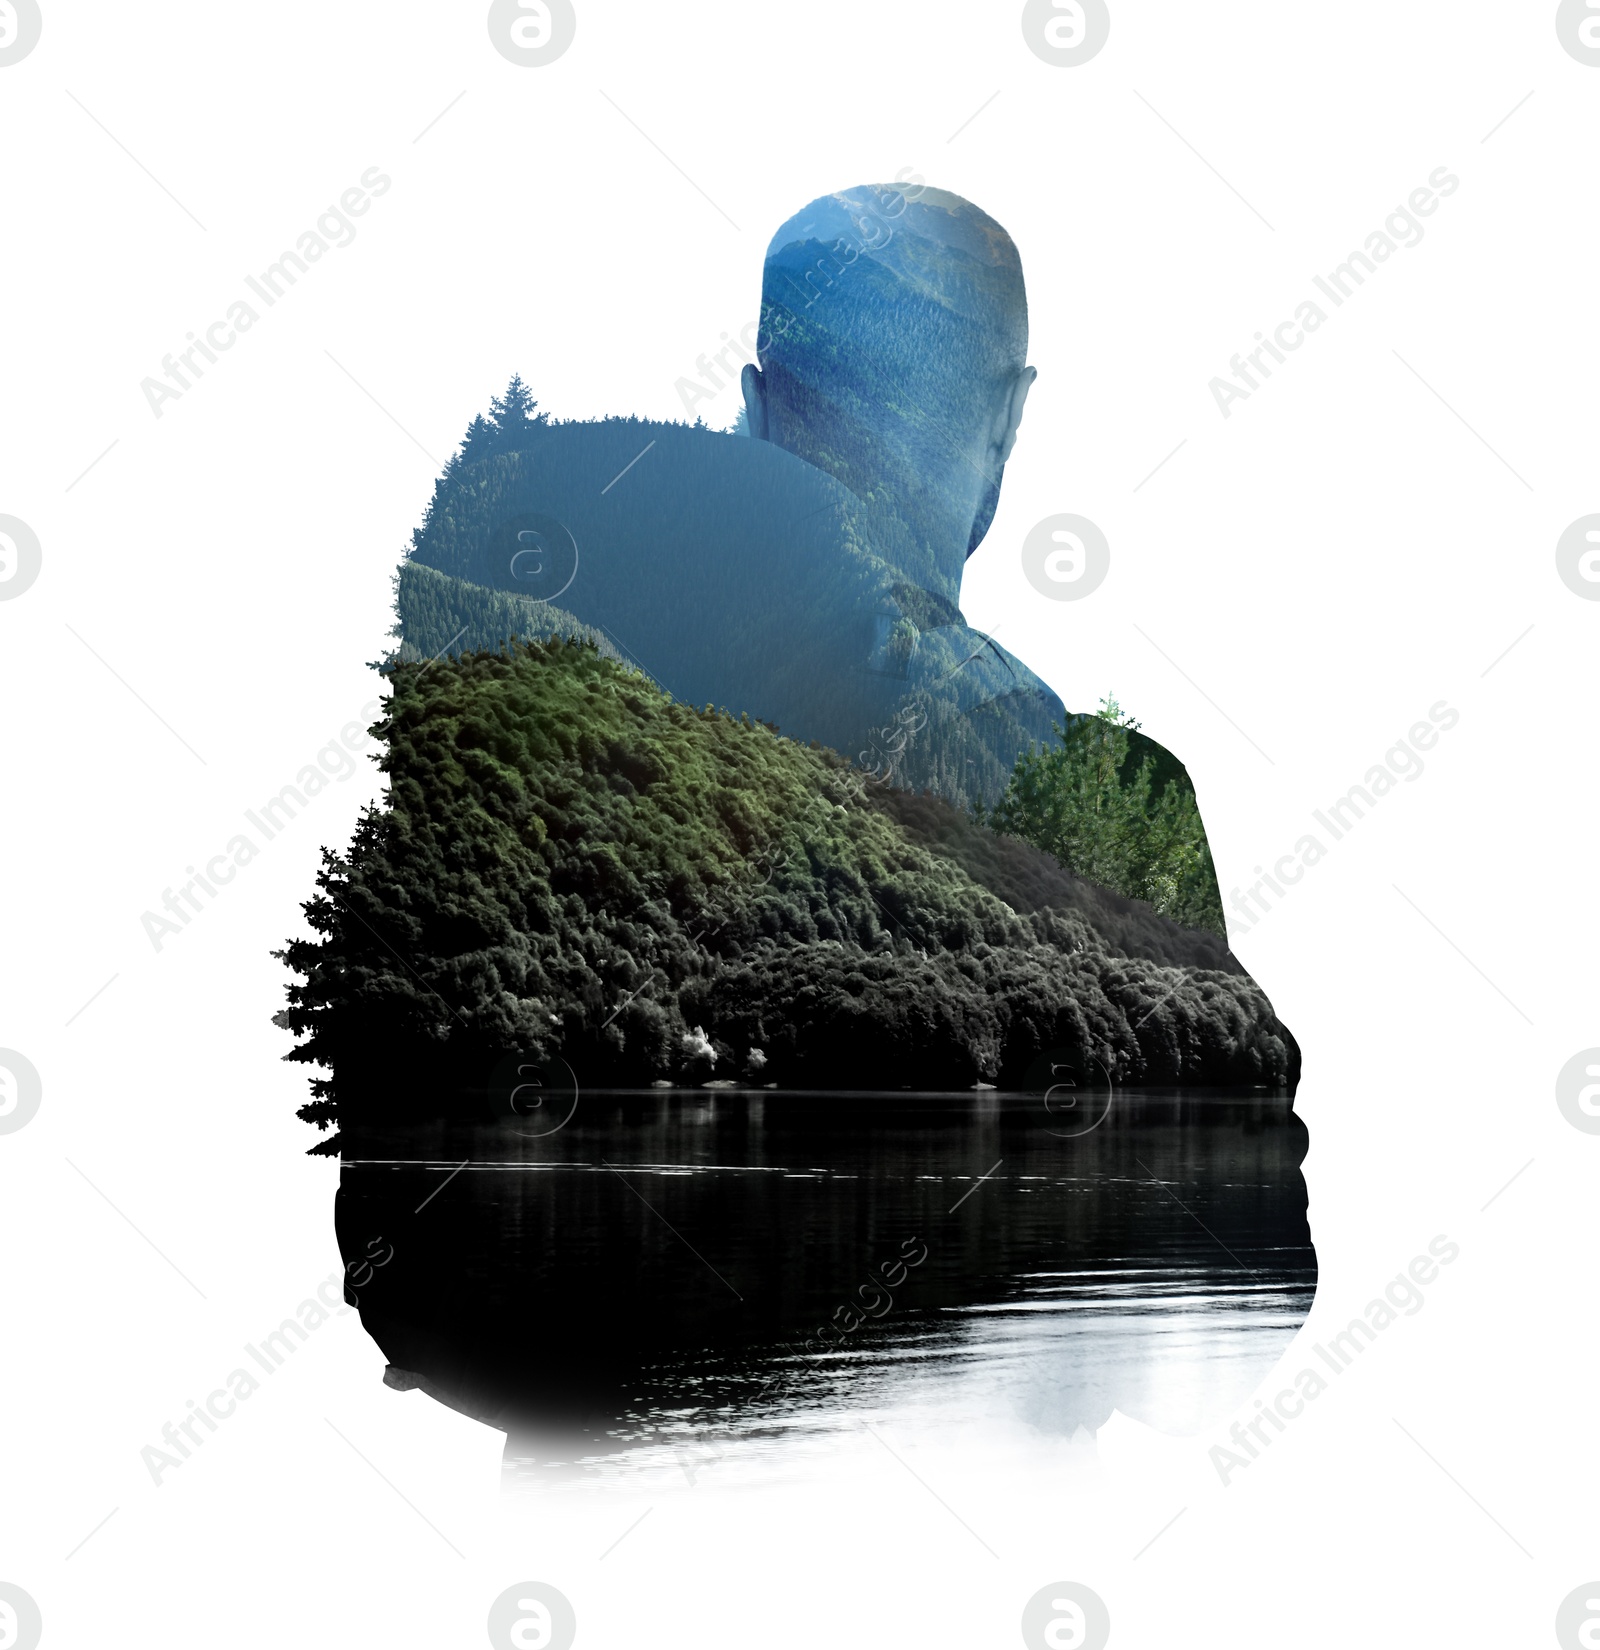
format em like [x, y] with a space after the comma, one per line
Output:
[733, 574]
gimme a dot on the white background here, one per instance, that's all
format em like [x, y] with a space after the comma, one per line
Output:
[1310, 575]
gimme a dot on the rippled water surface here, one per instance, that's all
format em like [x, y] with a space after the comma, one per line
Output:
[678, 1280]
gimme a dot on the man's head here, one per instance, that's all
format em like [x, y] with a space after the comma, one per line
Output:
[893, 347]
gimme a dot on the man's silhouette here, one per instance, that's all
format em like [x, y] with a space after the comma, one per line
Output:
[811, 578]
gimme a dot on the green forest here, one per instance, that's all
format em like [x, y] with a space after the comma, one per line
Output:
[1107, 806]
[629, 865]
[574, 864]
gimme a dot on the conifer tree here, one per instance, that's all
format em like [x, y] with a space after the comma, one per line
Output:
[514, 416]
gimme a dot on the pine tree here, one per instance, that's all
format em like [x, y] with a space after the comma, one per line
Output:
[514, 416]
[477, 443]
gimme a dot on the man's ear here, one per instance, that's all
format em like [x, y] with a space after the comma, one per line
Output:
[1008, 415]
[754, 386]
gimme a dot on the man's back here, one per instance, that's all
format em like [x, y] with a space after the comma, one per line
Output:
[735, 574]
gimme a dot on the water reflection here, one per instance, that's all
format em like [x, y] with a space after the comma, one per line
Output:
[700, 1278]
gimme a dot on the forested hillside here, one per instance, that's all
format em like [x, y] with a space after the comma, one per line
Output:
[574, 864]
[437, 615]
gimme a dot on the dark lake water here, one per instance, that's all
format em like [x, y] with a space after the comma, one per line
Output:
[698, 1276]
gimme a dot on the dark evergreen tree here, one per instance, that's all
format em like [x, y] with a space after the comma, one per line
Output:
[513, 419]
[514, 416]
[477, 443]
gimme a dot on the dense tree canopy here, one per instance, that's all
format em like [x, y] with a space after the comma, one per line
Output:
[571, 864]
[1104, 808]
